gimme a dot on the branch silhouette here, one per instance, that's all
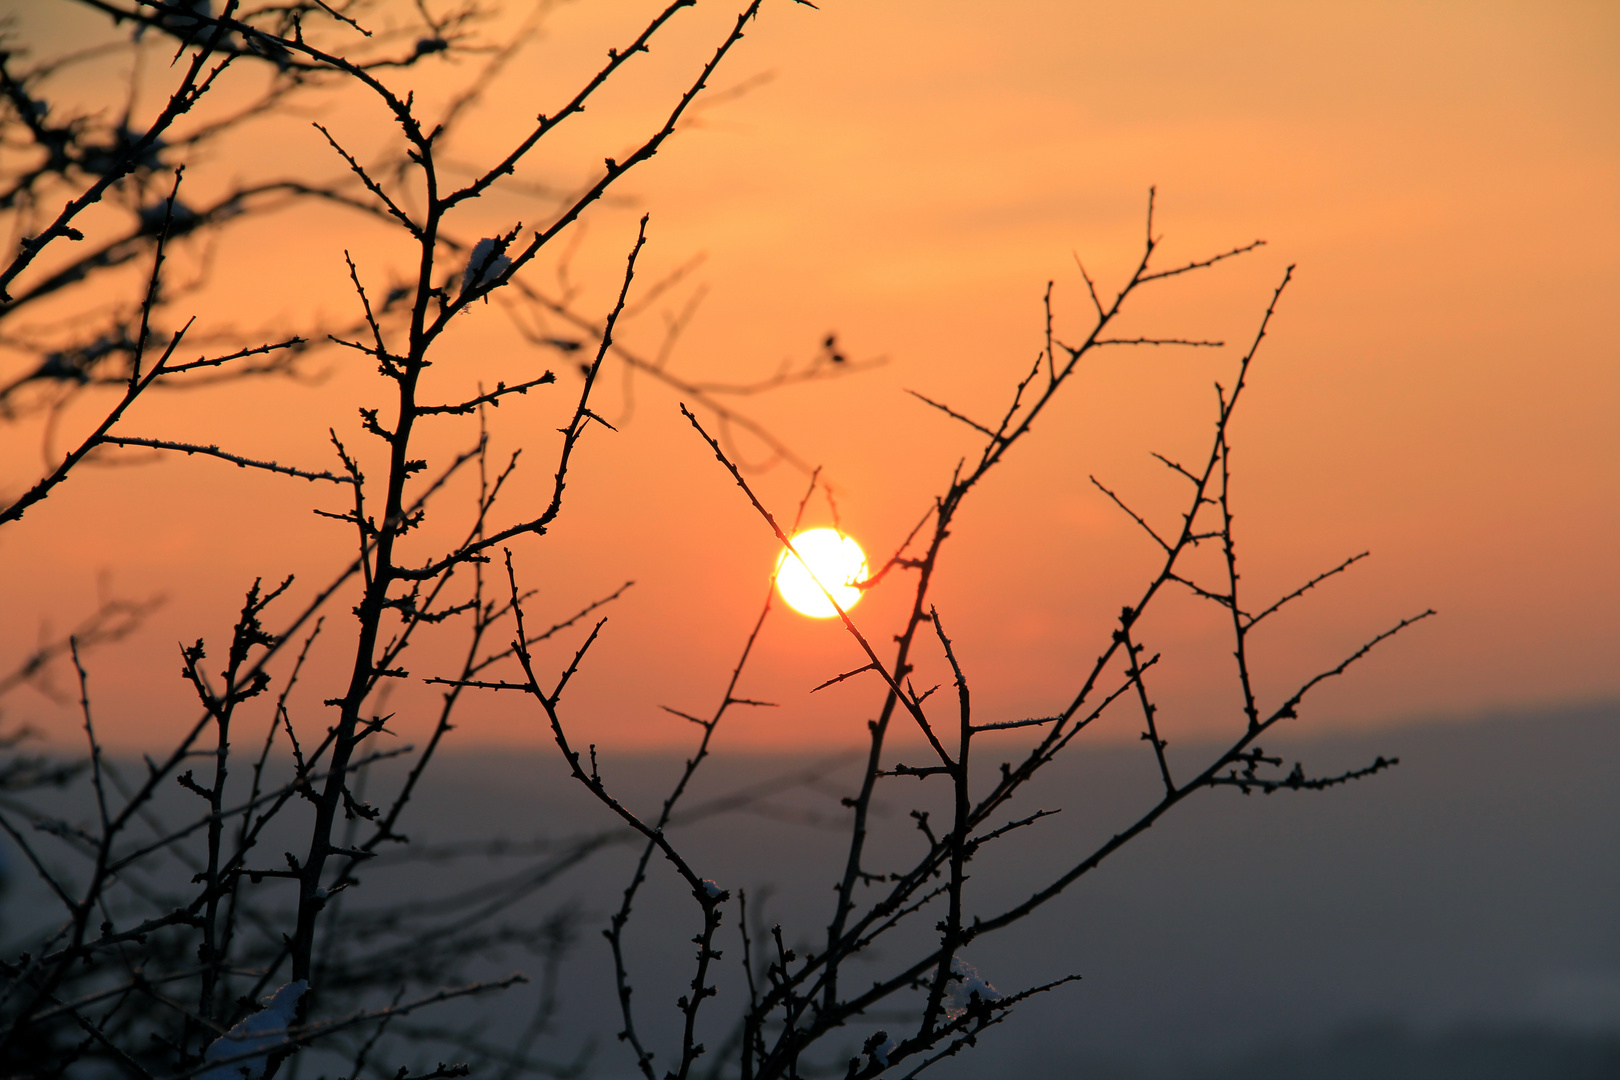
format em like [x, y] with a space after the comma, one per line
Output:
[218, 907]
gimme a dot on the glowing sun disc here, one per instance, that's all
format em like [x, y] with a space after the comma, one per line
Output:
[825, 557]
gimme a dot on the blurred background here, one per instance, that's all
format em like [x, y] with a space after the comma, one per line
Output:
[1453, 917]
[1440, 386]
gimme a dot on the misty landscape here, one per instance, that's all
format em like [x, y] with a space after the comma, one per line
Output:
[1452, 918]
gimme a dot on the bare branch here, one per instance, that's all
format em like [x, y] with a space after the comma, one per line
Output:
[213, 451]
[948, 411]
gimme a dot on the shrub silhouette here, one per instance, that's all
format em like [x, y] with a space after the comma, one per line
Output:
[166, 935]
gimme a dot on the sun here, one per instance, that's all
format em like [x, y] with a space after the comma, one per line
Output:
[825, 557]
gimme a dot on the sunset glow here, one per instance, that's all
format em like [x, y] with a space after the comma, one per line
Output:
[1442, 175]
[826, 557]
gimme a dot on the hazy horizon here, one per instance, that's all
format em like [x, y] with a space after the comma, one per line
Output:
[1460, 904]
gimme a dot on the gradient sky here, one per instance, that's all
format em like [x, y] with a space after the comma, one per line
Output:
[1441, 384]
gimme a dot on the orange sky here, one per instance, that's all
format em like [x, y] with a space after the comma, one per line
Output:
[1441, 385]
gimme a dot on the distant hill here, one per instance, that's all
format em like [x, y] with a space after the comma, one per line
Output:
[1466, 902]
[1379, 1051]
[1453, 917]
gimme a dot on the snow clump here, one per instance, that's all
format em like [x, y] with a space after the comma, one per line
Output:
[486, 264]
[964, 983]
[265, 1030]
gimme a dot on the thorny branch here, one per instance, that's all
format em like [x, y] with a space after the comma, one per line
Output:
[168, 930]
[229, 921]
[801, 1000]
